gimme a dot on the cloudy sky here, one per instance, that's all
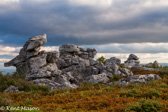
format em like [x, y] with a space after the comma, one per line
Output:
[114, 27]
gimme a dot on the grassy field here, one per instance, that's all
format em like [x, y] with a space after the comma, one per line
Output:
[152, 97]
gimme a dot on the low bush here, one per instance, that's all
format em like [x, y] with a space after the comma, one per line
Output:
[20, 82]
[102, 59]
[145, 106]
[152, 93]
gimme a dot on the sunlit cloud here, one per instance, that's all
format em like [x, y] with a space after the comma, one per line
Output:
[144, 57]
[96, 3]
[50, 48]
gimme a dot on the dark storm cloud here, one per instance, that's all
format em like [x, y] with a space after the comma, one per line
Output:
[65, 21]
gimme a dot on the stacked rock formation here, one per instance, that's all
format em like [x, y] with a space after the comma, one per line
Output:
[132, 61]
[70, 67]
[113, 66]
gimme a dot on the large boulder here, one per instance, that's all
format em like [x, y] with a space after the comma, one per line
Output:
[31, 48]
[100, 78]
[132, 61]
[133, 57]
[113, 60]
[112, 66]
[73, 50]
[69, 49]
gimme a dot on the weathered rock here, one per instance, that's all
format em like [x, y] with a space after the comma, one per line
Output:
[132, 61]
[68, 49]
[17, 60]
[155, 64]
[139, 79]
[133, 57]
[113, 60]
[113, 68]
[47, 82]
[12, 89]
[125, 72]
[52, 57]
[149, 65]
[31, 48]
[136, 79]
[91, 52]
[100, 78]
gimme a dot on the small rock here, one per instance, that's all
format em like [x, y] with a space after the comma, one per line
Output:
[12, 89]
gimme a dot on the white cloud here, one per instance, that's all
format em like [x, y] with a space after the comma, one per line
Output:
[144, 57]
[131, 48]
[4, 60]
[9, 5]
[155, 3]
[99, 3]
[8, 1]
[13, 51]
[50, 48]
[7, 50]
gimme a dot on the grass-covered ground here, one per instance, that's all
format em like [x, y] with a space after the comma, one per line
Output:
[152, 97]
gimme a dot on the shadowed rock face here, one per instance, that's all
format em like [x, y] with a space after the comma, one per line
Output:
[68, 68]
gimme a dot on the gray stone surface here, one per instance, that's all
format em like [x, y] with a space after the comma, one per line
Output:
[155, 64]
[12, 89]
[132, 61]
[100, 78]
[113, 68]
[113, 60]
[139, 79]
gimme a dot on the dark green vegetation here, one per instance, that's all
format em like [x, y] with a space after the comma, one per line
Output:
[20, 82]
[102, 59]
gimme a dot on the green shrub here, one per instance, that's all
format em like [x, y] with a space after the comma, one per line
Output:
[131, 93]
[145, 106]
[102, 60]
[43, 88]
[163, 71]
[116, 77]
[5, 100]
[20, 82]
[152, 93]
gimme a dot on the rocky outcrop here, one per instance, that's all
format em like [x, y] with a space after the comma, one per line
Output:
[69, 67]
[12, 89]
[132, 61]
[113, 60]
[112, 65]
[136, 79]
[155, 64]
[31, 48]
